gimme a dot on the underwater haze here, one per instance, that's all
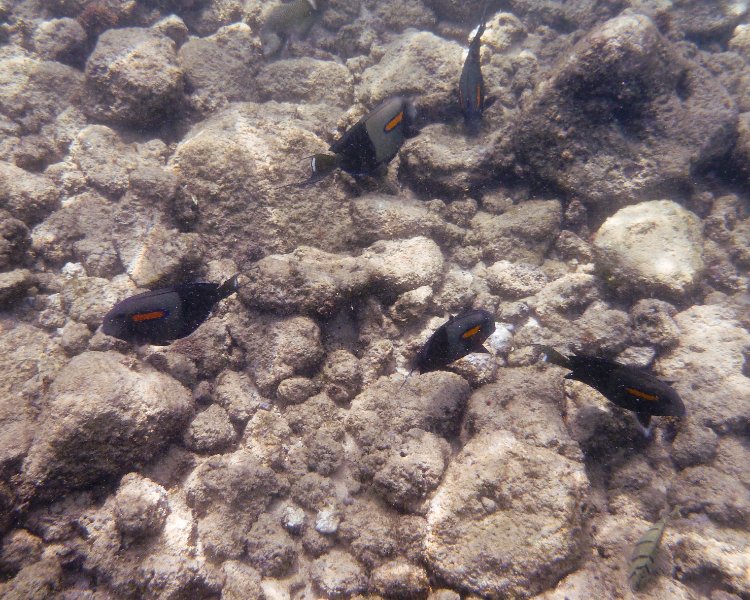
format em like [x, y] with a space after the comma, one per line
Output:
[400, 299]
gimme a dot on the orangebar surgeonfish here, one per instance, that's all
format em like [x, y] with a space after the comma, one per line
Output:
[471, 93]
[628, 387]
[164, 315]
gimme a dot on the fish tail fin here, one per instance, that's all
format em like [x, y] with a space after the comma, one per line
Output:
[406, 379]
[230, 286]
[644, 423]
[554, 357]
[483, 19]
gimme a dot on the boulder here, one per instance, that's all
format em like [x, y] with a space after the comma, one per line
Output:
[651, 248]
[101, 418]
[507, 519]
[133, 77]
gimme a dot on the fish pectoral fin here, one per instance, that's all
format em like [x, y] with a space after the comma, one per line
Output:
[481, 349]
[489, 101]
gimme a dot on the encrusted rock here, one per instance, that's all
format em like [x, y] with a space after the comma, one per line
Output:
[401, 265]
[521, 234]
[288, 347]
[210, 431]
[134, 92]
[509, 280]
[624, 114]
[221, 67]
[412, 470]
[101, 418]
[13, 286]
[694, 445]
[382, 217]
[141, 506]
[500, 553]
[308, 280]
[398, 579]
[338, 575]
[651, 248]
[306, 80]
[20, 548]
[653, 323]
[28, 197]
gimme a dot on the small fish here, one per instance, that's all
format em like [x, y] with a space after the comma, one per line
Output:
[164, 315]
[645, 551]
[471, 93]
[628, 387]
[287, 20]
[459, 336]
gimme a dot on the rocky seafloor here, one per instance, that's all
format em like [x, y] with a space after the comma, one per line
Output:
[275, 453]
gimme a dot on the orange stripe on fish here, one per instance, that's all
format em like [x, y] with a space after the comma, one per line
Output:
[479, 96]
[394, 121]
[642, 395]
[149, 316]
[473, 331]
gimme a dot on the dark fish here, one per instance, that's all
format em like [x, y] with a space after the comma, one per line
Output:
[459, 336]
[645, 551]
[471, 96]
[286, 20]
[372, 142]
[628, 387]
[162, 316]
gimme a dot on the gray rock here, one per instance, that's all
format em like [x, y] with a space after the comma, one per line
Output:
[694, 445]
[222, 67]
[416, 63]
[707, 367]
[269, 547]
[307, 280]
[527, 403]
[628, 241]
[314, 492]
[521, 234]
[574, 131]
[500, 553]
[399, 579]
[382, 217]
[267, 436]
[133, 92]
[88, 299]
[29, 361]
[36, 581]
[324, 452]
[26, 196]
[236, 482]
[411, 305]
[371, 532]
[14, 240]
[401, 265]
[509, 280]
[293, 519]
[705, 489]
[141, 506]
[241, 581]
[101, 419]
[174, 28]
[296, 390]
[601, 329]
[287, 347]
[441, 163]
[338, 575]
[341, 376]
[210, 431]
[224, 163]
[237, 394]
[14, 285]
[36, 93]
[306, 80]
[413, 470]
[653, 323]
[62, 40]
[327, 521]
[311, 415]
[20, 549]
